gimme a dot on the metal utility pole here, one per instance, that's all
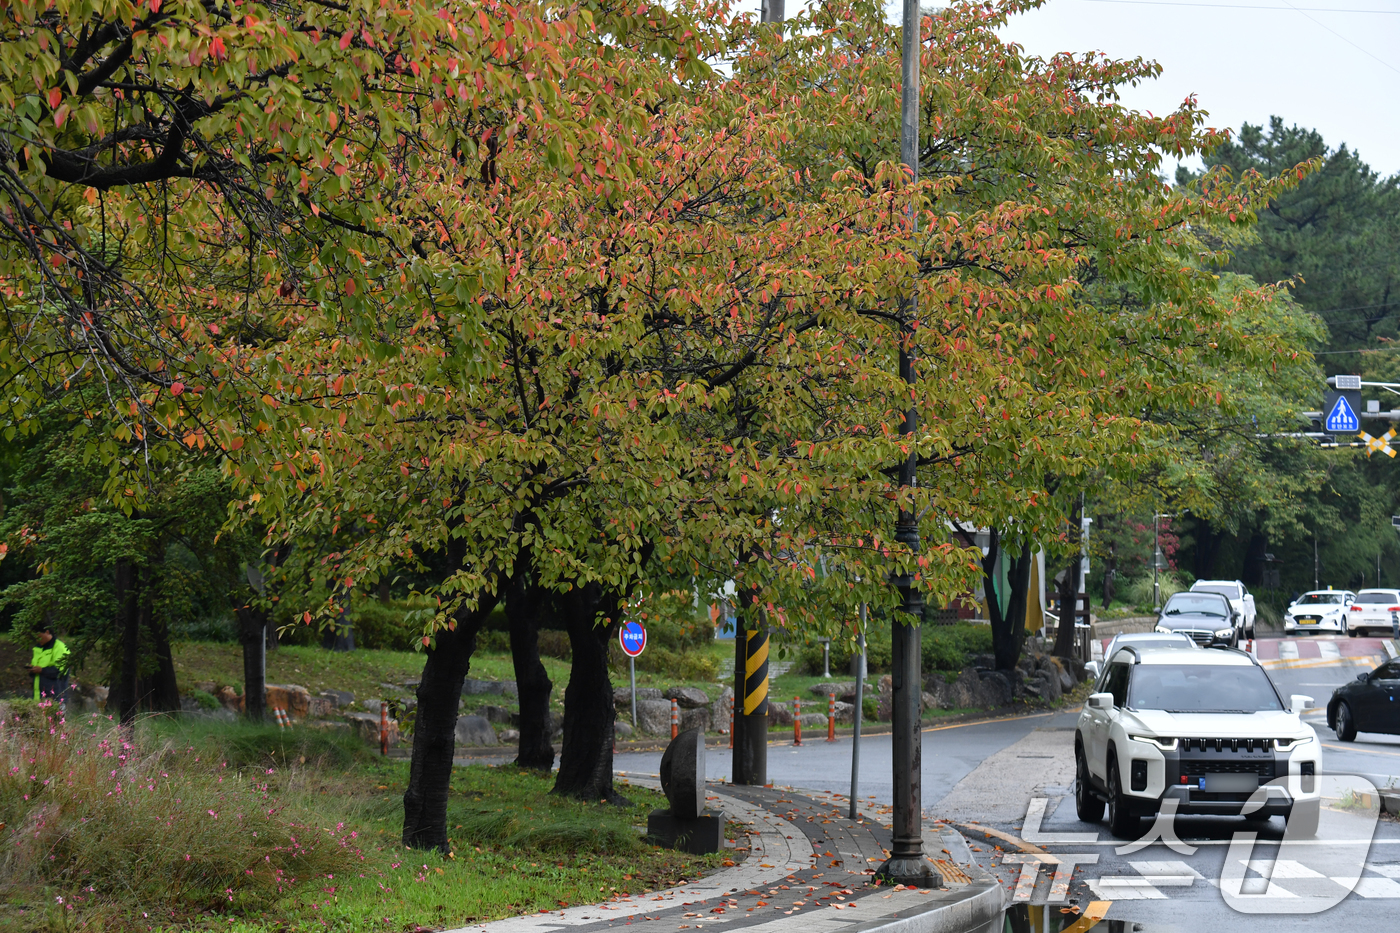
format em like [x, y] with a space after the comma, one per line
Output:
[772, 11]
[906, 864]
[860, 707]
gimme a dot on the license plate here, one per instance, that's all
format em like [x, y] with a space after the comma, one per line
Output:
[1229, 783]
[1307, 620]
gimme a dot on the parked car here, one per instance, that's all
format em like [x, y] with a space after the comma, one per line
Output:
[1241, 601]
[1370, 703]
[1137, 640]
[1206, 618]
[1374, 610]
[1205, 728]
[1319, 610]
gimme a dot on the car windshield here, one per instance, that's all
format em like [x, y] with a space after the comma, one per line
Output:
[1320, 599]
[1228, 590]
[1377, 599]
[1195, 604]
[1202, 688]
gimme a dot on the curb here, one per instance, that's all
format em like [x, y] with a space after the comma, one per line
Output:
[659, 743]
[801, 844]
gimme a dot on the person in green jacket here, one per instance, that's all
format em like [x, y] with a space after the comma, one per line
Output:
[49, 665]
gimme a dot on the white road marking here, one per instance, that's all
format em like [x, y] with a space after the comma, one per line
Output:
[1374, 887]
[1167, 874]
[1284, 868]
[1125, 888]
[1288, 650]
[1329, 650]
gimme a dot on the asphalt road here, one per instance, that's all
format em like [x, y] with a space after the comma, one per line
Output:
[986, 776]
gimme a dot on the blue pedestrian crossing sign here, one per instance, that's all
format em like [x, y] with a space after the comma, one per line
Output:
[1341, 417]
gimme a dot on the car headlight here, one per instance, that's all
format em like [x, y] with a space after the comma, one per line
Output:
[1224, 632]
[1163, 629]
[1165, 745]
[1285, 744]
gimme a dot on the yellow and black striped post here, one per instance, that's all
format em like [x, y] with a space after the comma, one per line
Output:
[750, 764]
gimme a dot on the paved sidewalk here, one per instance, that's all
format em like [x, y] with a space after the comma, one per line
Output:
[808, 870]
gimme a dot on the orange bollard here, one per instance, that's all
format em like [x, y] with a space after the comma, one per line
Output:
[383, 728]
[675, 719]
[831, 717]
[731, 722]
[796, 720]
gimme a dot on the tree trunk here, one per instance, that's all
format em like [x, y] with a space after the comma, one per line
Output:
[252, 625]
[434, 732]
[1253, 572]
[160, 692]
[1009, 633]
[123, 694]
[585, 763]
[1207, 549]
[1110, 577]
[526, 601]
[1069, 595]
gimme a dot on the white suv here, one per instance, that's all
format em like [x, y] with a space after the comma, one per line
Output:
[1241, 602]
[1205, 728]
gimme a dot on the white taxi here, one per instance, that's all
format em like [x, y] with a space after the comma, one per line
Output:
[1319, 611]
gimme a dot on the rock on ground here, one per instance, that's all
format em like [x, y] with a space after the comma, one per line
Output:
[687, 697]
[654, 716]
[474, 730]
[293, 698]
[622, 696]
[366, 726]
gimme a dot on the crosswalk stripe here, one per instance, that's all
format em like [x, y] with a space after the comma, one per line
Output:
[1329, 649]
[1125, 888]
[1374, 887]
[1288, 650]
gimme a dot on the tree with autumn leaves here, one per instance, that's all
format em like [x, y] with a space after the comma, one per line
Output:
[640, 318]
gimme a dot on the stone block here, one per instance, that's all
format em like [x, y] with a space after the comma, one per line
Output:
[230, 699]
[509, 736]
[813, 721]
[339, 698]
[472, 687]
[682, 774]
[622, 696]
[319, 708]
[654, 716]
[293, 698]
[845, 712]
[499, 715]
[366, 726]
[474, 731]
[830, 688]
[687, 697]
[622, 730]
[699, 836]
[695, 719]
[997, 688]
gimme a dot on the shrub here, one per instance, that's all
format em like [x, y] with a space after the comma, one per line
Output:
[247, 745]
[1139, 591]
[951, 647]
[553, 644]
[385, 625]
[102, 818]
[808, 656]
[205, 699]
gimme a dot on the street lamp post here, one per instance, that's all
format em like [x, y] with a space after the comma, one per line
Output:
[906, 864]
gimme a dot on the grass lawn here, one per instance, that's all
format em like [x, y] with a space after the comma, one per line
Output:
[201, 825]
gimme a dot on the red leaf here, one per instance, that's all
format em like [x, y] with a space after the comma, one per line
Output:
[346, 39]
[176, 388]
[55, 95]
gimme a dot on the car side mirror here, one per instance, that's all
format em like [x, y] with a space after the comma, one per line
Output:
[1092, 669]
[1101, 701]
[1364, 676]
[1299, 703]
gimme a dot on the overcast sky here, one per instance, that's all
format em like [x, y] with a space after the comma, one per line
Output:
[1337, 72]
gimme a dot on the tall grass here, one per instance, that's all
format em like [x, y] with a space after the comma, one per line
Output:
[100, 818]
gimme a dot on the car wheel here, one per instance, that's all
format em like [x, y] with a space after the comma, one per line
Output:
[1121, 821]
[1346, 723]
[1087, 807]
[1302, 819]
[1346, 629]
[1251, 632]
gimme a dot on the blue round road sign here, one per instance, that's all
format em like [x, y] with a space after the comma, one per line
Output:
[633, 638]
